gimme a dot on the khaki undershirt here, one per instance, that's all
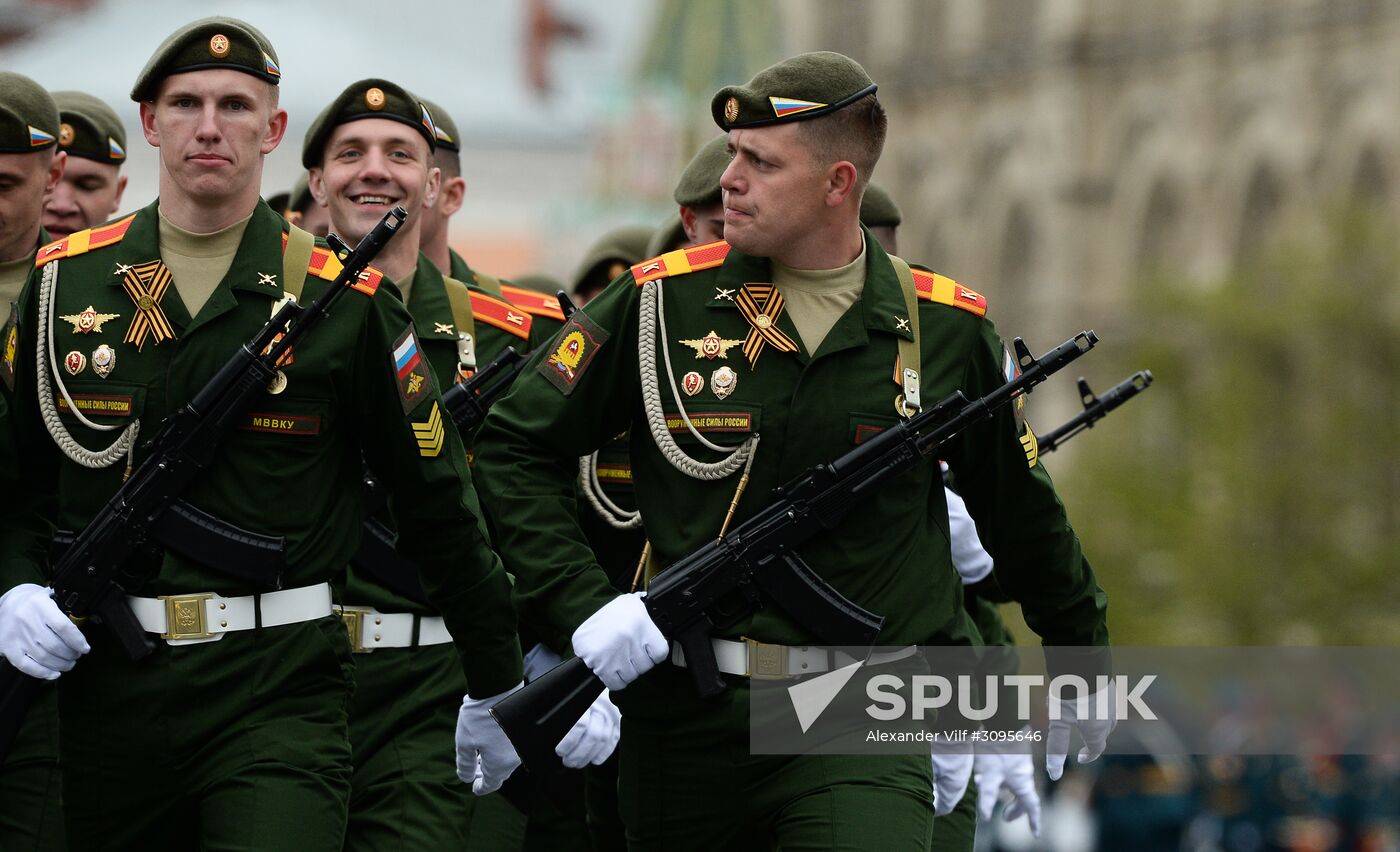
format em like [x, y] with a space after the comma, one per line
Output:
[816, 298]
[12, 277]
[406, 285]
[198, 262]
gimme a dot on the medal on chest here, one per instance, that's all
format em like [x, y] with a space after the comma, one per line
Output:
[147, 284]
[761, 305]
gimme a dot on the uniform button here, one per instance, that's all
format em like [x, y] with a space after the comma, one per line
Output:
[378, 621]
[376, 637]
[223, 624]
[223, 605]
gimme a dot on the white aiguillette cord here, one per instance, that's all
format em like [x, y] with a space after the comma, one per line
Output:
[46, 370]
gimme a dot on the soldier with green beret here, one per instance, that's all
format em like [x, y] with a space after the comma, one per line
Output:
[791, 331]
[370, 150]
[233, 733]
[701, 216]
[31, 164]
[91, 190]
[881, 216]
[608, 258]
[304, 211]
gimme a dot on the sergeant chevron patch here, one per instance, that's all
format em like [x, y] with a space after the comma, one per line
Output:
[429, 433]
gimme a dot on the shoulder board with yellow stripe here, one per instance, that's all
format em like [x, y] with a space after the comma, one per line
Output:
[681, 261]
[82, 242]
[325, 265]
[933, 287]
[501, 314]
[533, 301]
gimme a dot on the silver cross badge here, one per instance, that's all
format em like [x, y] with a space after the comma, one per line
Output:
[901, 323]
[122, 269]
[721, 293]
[442, 328]
[269, 279]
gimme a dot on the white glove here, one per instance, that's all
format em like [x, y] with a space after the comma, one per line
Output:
[485, 756]
[620, 642]
[594, 736]
[952, 768]
[35, 636]
[1078, 715]
[973, 562]
[1012, 771]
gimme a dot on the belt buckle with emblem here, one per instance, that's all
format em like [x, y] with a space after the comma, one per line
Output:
[766, 662]
[354, 618]
[185, 617]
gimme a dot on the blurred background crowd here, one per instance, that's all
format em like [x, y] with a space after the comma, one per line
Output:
[1212, 185]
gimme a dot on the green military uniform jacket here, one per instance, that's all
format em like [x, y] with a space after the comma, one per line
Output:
[496, 324]
[293, 465]
[890, 556]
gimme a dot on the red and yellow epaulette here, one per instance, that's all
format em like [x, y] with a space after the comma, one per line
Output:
[681, 261]
[533, 301]
[501, 314]
[325, 265]
[933, 287]
[82, 242]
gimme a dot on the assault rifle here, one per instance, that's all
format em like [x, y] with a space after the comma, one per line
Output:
[756, 562]
[112, 554]
[1096, 408]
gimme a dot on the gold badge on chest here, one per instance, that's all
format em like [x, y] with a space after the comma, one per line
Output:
[88, 320]
[692, 383]
[74, 362]
[711, 346]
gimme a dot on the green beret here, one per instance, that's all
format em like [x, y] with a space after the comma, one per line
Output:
[669, 236]
[699, 183]
[300, 198]
[878, 210]
[446, 129]
[796, 89]
[28, 117]
[626, 245]
[90, 128]
[209, 43]
[372, 98]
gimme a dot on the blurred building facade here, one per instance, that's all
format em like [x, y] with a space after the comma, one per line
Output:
[1054, 152]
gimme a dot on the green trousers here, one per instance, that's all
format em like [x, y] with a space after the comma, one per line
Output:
[31, 786]
[956, 831]
[405, 792]
[238, 744]
[600, 796]
[696, 786]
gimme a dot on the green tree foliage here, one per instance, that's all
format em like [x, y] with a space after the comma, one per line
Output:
[1252, 495]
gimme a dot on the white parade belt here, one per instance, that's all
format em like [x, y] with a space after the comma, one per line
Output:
[762, 661]
[206, 617]
[371, 629]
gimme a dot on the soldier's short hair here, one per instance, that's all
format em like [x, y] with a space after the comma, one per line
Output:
[855, 132]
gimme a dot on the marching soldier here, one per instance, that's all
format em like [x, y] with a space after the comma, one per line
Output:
[369, 150]
[798, 321]
[91, 190]
[232, 734]
[31, 164]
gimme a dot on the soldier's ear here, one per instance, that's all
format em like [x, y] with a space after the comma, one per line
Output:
[454, 190]
[840, 182]
[56, 166]
[148, 123]
[276, 129]
[117, 199]
[432, 192]
[317, 185]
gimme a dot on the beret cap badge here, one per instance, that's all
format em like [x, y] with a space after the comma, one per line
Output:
[219, 46]
[731, 110]
[65, 134]
[374, 97]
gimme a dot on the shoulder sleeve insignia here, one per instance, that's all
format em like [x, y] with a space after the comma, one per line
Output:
[326, 266]
[533, 301]
[574, 348]
[933, 287]
[83, 242]
[10, 337]
[411, 372]
[680, 261]
[428, 433]
[501, 314]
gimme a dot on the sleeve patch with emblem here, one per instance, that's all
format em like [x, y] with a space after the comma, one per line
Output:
[411, 372]
[429, 433]
[574, 347]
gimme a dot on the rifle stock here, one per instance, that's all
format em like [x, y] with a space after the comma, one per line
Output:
[755, 563]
